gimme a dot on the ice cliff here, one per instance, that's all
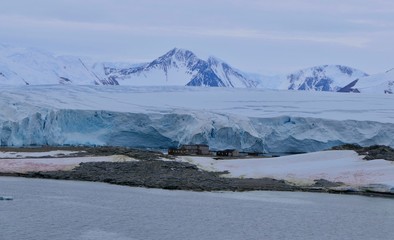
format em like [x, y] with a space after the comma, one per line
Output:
[147, 130]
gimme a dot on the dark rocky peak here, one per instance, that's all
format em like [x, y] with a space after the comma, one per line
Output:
[176, 54]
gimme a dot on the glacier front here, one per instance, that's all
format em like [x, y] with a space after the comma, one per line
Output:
[162, 117]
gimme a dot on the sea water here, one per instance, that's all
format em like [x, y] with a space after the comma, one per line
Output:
[50, 209]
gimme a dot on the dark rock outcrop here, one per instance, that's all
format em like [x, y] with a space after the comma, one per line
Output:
[161, 174]
[371, 152]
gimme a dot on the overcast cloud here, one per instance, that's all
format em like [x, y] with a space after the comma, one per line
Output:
[259, 36]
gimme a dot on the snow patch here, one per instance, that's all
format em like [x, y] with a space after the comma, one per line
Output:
[337, 166]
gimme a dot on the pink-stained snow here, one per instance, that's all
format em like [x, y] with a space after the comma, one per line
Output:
[340, 166]
[53, 164]
[55, 153]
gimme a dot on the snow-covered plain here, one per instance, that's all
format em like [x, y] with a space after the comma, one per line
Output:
[160, 117]
[302, 169]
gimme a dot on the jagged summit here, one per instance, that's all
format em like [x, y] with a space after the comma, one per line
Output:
[175, 58]
[175, 55]
[180, 53]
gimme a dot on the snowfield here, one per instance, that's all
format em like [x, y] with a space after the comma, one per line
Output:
[161, 117]
[302, 169]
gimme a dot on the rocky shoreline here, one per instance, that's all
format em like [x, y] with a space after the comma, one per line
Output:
[160, 174]
[157, 170]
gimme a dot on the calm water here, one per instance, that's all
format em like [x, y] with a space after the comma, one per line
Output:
[47, 209]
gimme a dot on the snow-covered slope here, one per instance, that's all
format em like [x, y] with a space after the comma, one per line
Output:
[230, 76]
[321, 78]
[160, 117]
[32, 66]
[377, 83]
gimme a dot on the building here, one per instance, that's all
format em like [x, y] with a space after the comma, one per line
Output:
[228, 153]
[197, 149]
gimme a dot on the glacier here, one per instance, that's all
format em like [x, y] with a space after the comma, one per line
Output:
[161, 117]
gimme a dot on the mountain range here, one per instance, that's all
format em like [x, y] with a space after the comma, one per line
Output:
[178, 67]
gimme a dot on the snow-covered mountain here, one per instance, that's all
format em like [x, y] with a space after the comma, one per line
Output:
[179, 67]
[321, 78]
[377, 83]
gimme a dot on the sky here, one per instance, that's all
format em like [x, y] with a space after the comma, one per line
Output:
[261, 36]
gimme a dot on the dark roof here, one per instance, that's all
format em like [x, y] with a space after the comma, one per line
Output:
[197, 145]
[228, 150]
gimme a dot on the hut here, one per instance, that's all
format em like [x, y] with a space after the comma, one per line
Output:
[228, 153]
[193, 149]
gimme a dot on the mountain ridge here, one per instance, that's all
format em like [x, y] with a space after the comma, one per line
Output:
[177, 67]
